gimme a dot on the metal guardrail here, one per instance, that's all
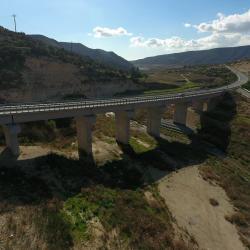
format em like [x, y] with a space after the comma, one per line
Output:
[45, 107]
[11, 109]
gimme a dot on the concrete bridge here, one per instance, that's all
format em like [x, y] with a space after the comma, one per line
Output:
[85, 111]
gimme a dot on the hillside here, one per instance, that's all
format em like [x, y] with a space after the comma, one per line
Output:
[191, 58]
[108, 58]
[32, 70]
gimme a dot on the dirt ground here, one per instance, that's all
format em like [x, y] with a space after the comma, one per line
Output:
[243, 66]
[102, 151]
[188, 196]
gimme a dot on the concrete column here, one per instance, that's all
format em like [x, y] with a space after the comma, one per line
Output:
[122, 119]
[211, 103]
[198, 106]
[11, 132]
[154, 120]
[180, 113]
[84, 125]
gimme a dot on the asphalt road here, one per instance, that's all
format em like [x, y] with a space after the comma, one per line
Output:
[244, 92]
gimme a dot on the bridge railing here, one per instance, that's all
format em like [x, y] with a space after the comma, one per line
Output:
[88, 104]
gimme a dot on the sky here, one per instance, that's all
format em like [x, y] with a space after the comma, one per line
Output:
[134, 28]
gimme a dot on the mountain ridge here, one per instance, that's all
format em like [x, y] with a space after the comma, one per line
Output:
[191, 58]
[108, 58]
[33, 70]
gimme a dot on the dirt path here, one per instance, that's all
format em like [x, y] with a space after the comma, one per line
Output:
[188, 196]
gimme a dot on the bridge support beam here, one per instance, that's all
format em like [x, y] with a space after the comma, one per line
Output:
[154, 120]
[180, 113]
[123, 125]
[84, 127]
[11, 132]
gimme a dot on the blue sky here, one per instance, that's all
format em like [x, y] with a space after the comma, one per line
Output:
[134, 28]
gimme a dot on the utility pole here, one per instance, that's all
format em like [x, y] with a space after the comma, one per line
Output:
[14, 16]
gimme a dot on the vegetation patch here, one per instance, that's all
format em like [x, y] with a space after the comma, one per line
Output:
[233, 172]
[16, 48]
[204, 76]
[185, 87]
[247, 86]
[216, 124]
[144, 226]
[142, 142]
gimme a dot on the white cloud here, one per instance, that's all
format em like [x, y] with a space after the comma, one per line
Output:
[177, 44]
[226, 31]
[100, 32]
[187, 25]
[236, 23]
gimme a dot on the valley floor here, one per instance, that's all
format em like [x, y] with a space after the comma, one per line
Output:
[170, 193]
[188, 197]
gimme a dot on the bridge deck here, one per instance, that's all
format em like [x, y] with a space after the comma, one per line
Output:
[10, 111]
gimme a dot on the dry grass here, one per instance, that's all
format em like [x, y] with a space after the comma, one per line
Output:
[54, 199]
[233, 172]
[204, 76]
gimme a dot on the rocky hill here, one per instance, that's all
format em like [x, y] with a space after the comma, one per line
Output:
[31, 70]
[191, 58]
[108, 58]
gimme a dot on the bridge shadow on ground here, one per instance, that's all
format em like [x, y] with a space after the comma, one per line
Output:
[54, 176]
[57, 178]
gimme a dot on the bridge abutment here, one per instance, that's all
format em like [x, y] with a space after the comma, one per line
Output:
[84, 126]
[154, 120]
[11, 132]
[122, 119]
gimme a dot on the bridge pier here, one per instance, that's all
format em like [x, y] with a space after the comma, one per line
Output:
[122, 119]
[211, 103]
[11, 132]
[84, 127]
[154, 120]
[180, 113]
[198, 106]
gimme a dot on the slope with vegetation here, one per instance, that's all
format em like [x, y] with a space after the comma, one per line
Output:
[169, 81]
[107, 58]
[33, 70]
[232, 172]
[244, 67]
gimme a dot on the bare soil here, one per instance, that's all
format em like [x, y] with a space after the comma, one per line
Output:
[188, 197]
